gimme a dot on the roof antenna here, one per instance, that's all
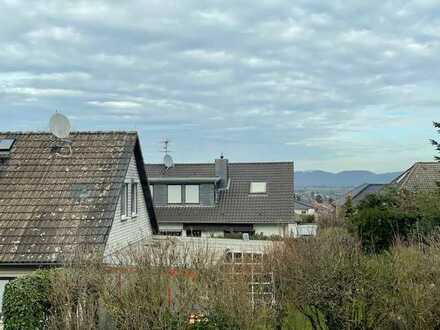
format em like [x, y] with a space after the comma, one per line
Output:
[167, 159]
[59, 126]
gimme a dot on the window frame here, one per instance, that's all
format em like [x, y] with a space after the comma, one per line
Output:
[168, 194]
[198, 194]
[254, 185]
[124, 201]
[134, 199]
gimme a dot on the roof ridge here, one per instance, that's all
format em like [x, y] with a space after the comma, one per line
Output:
[230, 163]
[430, 162]
[73, 132]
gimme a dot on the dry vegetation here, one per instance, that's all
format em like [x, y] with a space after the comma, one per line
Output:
[327, 282]
[154, 288]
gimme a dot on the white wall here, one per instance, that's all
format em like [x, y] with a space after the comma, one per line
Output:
[133, 229]
[213, 233]
[308, 212]
[270, 229]
[171, 227]
[219, 245]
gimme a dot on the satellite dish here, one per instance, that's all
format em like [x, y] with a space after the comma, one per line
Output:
[168, 161]
[59, 126]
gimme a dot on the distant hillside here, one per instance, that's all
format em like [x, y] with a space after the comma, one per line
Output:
[341, 179]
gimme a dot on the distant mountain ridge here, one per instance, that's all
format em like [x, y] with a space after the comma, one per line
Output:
[341, 179]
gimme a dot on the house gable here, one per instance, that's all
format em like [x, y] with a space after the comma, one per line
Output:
[128, 230]
[58, 196]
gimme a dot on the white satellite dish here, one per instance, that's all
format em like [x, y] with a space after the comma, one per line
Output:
[168, 161]
[59, 126]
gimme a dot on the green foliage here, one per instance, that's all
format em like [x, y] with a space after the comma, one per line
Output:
[382, 218]
[307, 218]
[348, 208]
[435, 143]
[26, 303]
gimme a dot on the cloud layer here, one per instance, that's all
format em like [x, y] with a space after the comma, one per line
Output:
[331, 85]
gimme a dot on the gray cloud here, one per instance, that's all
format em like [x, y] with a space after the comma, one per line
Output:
[331, 85]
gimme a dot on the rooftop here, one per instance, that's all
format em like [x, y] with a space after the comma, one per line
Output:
[55, 196]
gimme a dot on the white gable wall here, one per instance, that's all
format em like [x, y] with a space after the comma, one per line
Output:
[131, 230]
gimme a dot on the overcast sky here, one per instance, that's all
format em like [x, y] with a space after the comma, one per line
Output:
[331, 85]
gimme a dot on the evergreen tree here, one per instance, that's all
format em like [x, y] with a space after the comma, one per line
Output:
[435, 143]
[319, 199]
[348, 208]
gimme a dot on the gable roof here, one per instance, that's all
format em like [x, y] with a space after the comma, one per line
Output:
[53, 200]
[360, 192]
[301, 205]
[235, 205]
[422, 176]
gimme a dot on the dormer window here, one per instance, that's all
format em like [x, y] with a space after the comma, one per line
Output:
[192, 194]
[174, 194]
[258, 188]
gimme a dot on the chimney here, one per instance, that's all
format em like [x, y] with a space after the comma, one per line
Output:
[221, 170]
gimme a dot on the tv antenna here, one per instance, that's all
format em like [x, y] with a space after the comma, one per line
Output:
[167, 159]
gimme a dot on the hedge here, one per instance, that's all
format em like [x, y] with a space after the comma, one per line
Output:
[26, 303]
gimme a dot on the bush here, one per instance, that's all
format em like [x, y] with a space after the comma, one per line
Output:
[307, 218]
[381, 218]
[25, 303]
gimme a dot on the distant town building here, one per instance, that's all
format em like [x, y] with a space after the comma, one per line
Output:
[303, 208]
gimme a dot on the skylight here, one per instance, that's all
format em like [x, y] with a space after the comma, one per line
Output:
[6, 144]
[258, 187]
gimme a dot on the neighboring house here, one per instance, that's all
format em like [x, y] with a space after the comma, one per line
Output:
[359, 193]
[58, 197]
[222, 199]
[324, 210]
[303, 208]
[422, 176]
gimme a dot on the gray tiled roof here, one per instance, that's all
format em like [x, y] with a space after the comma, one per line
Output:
[360, 192]
[301, 205]
[235, 205]
[422, 176]
[51, 204]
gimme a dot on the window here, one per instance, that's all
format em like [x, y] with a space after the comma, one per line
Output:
[193, 233]
[170, 233]
[192, 194]
[134, 204]
[152, 191]
[124, 200]
[174, 194]
[258, 187]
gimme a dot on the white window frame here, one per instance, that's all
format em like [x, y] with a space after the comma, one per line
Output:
[197, 195]
[124, 201]
[258, 187]
[152, 191]
[134, 199]
[172, 186]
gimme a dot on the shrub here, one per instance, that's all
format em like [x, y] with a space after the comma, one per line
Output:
[307, 218]
[381, 218]
[320, 277]
[25, 303]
